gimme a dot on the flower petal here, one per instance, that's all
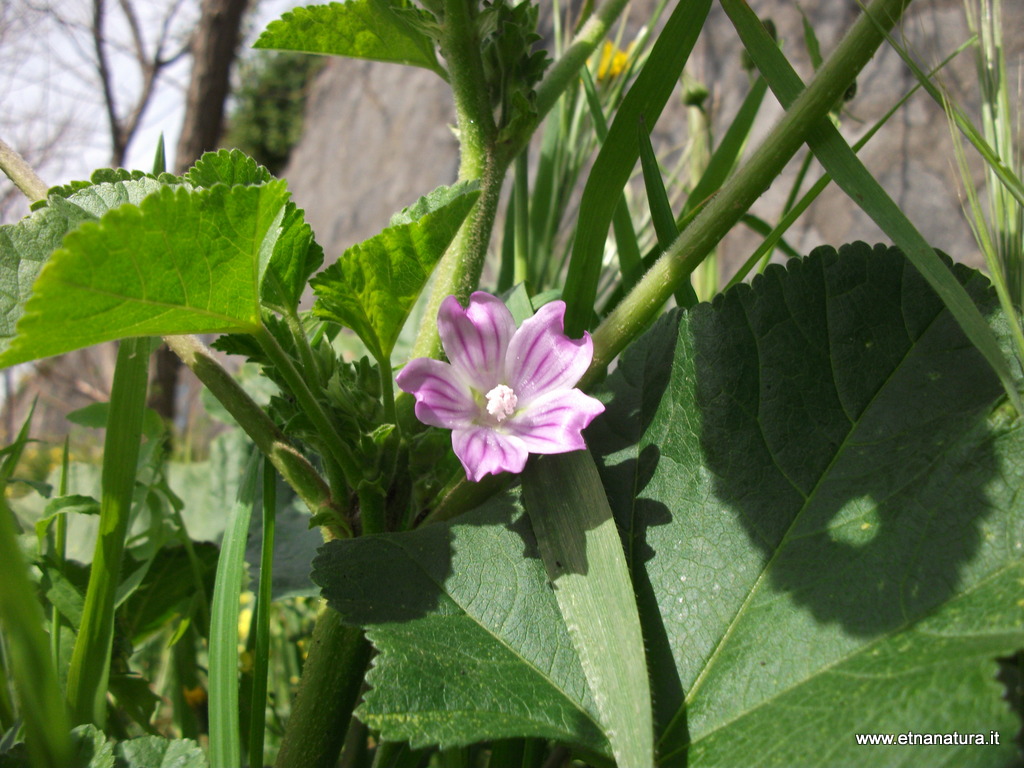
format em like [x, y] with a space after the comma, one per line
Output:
[442, 398]
[541, 358]
[553, 422]
[475, 338]
[483, 451]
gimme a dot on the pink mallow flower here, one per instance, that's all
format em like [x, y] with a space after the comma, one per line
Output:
[506, 392]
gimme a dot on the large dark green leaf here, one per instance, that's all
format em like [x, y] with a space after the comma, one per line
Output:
[471, 643]
[824, 518]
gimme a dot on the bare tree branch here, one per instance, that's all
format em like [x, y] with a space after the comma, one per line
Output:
[214, 49]
[118, 144]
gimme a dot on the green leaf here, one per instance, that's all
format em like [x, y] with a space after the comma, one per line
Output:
[157, 752]
[824, 518]
[26, 246]
[92, 750]
[290, 254]
[225, 743]
[359, 29]
[433, 201]
[179, 262]
[27, 659]
[582, 552]
[136, 698]
[295, 257]
[105, 176]
[374, 285]
[167, 590]
[231, 167]
[471, 644]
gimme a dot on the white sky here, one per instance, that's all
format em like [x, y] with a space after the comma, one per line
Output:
[51, 106]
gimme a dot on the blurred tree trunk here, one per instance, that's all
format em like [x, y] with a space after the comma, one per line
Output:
[214, 48]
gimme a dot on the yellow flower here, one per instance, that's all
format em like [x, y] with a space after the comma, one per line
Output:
[613, 61]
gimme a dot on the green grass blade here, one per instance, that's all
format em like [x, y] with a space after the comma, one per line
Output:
[662, 218]
[506, 270]
[261, 652]
[225, 742]
[837, 157]
[1006, 175]
[727, 154]
[59, 557]
[90, 661]
[618, 155]
[793, 211]
[985, 242]
[521, 225]
[159, 157]
[582, 552]
[626, 245]
[29, 664]
[811, 41]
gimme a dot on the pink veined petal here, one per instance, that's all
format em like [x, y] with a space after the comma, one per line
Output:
[475, 338]
[553, 421]
[483, 451]
[442, 399]
[541, 358]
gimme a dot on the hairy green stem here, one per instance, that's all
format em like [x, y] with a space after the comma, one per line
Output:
[460, 46]
[481, 158]
[459, 271]
[736, 196]
[272, 442]
[331, 680]
[21, 173]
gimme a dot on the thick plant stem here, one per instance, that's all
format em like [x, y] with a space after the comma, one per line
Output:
[643, 303]
[460, 46]
[458, 272]
[18, 171]
[331, 680]
[293, 466]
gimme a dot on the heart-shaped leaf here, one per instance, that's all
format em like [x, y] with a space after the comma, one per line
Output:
[825, 519]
